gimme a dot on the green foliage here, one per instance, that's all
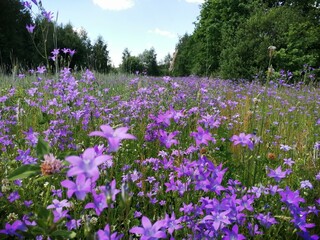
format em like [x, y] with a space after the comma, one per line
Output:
[130, 64]
[231, 38]
[149, 62]
[63, 234]
[20, 50]
[146, 62]
[24, 171]
[42, 148]
[182, 62]
[15, 43]
[100, 56]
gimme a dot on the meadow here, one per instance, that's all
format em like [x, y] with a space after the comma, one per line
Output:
[90, 156]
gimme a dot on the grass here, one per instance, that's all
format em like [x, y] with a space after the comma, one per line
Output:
[50, 114]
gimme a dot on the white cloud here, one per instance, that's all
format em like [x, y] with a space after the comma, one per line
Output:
[115, 5]
[162, 33]
[195, 1]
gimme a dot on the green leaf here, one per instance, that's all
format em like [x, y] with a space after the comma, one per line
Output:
[38, 230]
[42, 148]
[43, 215]
[63, 233]
[44, 118]
[24, 171]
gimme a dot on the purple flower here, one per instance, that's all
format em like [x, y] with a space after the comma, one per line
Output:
[243, 139]
[318, 176]
[114, 137]
[88, 164]
[291, 198]
[47, 15]
[168, 139]
[110, 190]
[13, 196]
[65, 50]
[28, 203]
[99, 203]
[30, 28]
[285, 148]
[301, 222]
[11, 230]
[202, 136]
[59, 213]
[57, 193]
[277, 174]
[80, 188]
[172, 223]
[137, 214]
[245, 203]
[55, 51]
[26, 220]
[254, 229]
[217, 219]
[25, 157]
[107, 235]
[72, 52]
[288, 161]
[73, 224]
[149, 231]
[18, 182]
[233, 234]
[306, 184]
[41, 69]
[266, 220]
[56, 204]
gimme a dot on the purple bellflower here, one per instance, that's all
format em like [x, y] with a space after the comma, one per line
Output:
[149, 231]
[233, 234]
[202, 136]
[107, 235]
[243, 139]
[168, 139]
[88, 164]
[30, 28]
[114, 137]
[11, 230]
[277, 174]
[99, 203]
[80, 188]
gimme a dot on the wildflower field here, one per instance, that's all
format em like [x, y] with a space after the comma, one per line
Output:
[114, 157]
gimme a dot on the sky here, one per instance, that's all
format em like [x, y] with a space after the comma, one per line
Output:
[133, 24]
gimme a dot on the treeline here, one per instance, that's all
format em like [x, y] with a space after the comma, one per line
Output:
[230, 40]
[28, 40]
[232, 37]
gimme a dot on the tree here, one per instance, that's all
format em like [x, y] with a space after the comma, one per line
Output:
[100, 56]
[182, 61]
[231, 38]
[164, 65]
[69, 38]
[15, 42]
[130, 64]
[149, 61]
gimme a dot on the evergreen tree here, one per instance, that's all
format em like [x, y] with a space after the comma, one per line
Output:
[100, 56]
[15, 42]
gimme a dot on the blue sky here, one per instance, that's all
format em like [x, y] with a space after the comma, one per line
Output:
[135, 24]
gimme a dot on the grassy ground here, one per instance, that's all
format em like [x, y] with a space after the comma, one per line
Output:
[187, 161]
